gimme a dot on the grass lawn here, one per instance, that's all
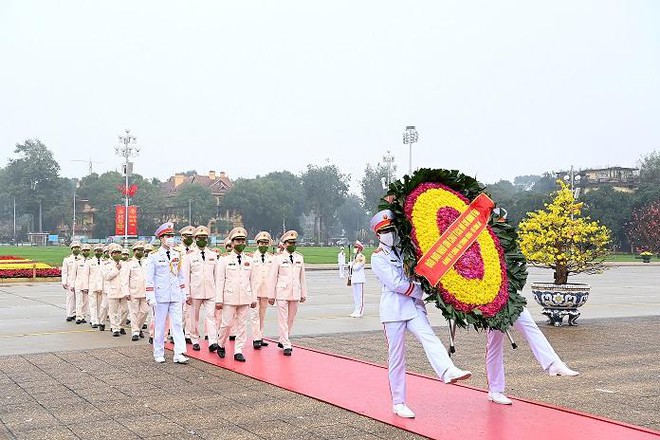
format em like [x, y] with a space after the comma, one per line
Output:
[53, 255]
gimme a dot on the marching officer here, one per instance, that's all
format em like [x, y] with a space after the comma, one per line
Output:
[232, 332]
[135, 285]
[186, 247]
[166, 292]
[104, 311]
[95, 285]
[199, 271]
[401, 309]
[261, 262]
[117, 294]
[357, 280]
[125, 254]
[148, 248]
[69, 267]
[234, 293]
[287, 285]
[81, 285]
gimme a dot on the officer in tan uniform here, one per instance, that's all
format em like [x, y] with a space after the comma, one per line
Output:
[261, 262]
[148, 248]
[287, 286]
[104, 311]
[135, 284]
[117, 293]
[69, 266]
[234, 293]
[232, 332]
[94, 285]
[186, 246]
[199, 270]
[81, 285]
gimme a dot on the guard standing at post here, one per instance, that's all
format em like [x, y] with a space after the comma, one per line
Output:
[261, 262]
[166, 290]
[199, 270]
[287, 286]
[234, 293]
[357, 280]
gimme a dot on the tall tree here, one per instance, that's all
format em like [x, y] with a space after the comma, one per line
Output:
[197, 200]
[325, 190]
[372, 185]
[612, 209]
[353, 218]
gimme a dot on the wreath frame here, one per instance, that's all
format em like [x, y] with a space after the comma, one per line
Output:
[516, 264]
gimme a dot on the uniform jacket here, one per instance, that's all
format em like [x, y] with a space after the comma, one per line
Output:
[260, 272]
[399, 294]
[82, 274]
[112, 280]
[134, 278]
[200, 274]
[95, 276]
[286, 280]
[341, 258]
[69, 266]
[234, 280]
[164, 277]
[357, 269]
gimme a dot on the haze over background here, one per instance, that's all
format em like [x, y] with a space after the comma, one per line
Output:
[496, 89]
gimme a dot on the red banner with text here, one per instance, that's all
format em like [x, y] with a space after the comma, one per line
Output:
[120, 218]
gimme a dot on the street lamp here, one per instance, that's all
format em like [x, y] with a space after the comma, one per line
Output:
[388, 159]
[127, 148]
[73, 224]
[572, 179]
[410, 136]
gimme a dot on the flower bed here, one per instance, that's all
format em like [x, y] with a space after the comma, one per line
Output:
[11, 258]
[18, 267]
[27, 273]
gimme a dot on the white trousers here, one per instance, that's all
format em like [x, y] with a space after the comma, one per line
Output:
[395, 333]
[286, 313]
[118, 309]
[358, 298]
[138, 309]
[174, 311]
[341, 270]
[95, 301]
[540, 346]
[70, 303]
[210, 326]
[82, 305]
[234, 316]
[187, 319]
[258, 318]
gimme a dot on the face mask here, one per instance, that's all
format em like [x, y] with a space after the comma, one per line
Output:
[239, 247]
[106, 256]
[124, 257]
[76, 251]
[263, 249]
[291, 248]
[187, 241]
[98, 254]
[168, 241]
[387, 239]
[116, 257]
[355, 251]
[85, 254]
[138, 255]
[201, 243]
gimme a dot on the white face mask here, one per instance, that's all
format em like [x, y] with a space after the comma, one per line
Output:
[387, 239]
[168, 241]
[355, 250]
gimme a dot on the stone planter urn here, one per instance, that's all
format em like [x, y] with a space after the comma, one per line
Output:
[559, 300]
[646, 258]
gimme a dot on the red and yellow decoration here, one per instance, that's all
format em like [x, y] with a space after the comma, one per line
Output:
[19, 267]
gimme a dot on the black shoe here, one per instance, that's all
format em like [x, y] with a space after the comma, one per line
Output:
[102, 327]
[279, 345]
[206, 338]
[135, 338]
[264, 344]
[188, 341]
[95, 326]
[213, 347]
[288, 351]
[115, 334]
[256, 344]
[221, 352]
[78, 321]
[128, 321]
[151, 340]
[144, 326]
[83, 321]
[122, 331]
[141, 335]
[239, 357]
[196, 347]
[70, 318]
[232, 338]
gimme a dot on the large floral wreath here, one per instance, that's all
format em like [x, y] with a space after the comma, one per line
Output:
[481, 289]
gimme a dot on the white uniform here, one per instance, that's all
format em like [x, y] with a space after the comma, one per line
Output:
[134, 273]
[401, 309]
[199, 271]
[288, 286]
[69, 266]
[80, 286]
[341, 262]
[357, 284]
[95, 289]
[260, 268]
[166, 288]
[112, 284]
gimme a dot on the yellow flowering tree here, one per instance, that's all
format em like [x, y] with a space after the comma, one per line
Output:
[559, 237]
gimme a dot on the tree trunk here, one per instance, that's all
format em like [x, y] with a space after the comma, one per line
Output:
[561, 274]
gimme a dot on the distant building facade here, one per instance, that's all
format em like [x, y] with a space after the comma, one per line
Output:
[619, 178]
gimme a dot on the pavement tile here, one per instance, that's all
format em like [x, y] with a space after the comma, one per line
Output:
[86, 412]
[195, 420]
[228, 433]
[273, 429]
[52, 433]
[339, 430]
[103, 430]
[28, 420]
[151, 425]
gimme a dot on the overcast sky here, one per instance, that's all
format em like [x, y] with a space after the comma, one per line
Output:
[496, 89]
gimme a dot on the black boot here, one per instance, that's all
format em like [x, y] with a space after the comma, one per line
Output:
[196, 347]
[102, 327]
[213, 347]
[256, 344]
[239, 357]
[221, 352]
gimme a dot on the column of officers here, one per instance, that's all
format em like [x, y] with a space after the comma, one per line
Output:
[180, 288]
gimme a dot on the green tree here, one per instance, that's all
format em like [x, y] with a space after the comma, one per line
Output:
[371, 186]
[353, 218]
[325, 190]
[612, 209]
[102, 194]
[198, 200]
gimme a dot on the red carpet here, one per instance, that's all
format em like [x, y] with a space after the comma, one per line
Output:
[443, 411]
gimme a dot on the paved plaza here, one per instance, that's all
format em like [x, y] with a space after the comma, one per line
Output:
[59, 380]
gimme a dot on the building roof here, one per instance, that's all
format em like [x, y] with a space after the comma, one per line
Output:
[217, 183]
